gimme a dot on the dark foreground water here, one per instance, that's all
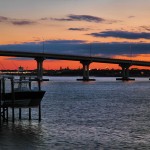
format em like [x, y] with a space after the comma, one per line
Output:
[102, 115]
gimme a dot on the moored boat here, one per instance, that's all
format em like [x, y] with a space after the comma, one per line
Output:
[22, 94]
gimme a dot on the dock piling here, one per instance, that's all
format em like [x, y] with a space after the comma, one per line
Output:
[29, 113]
[20, 113]
[0, 102]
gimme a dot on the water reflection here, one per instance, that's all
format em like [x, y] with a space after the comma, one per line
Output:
[21, 135]
[93, 116]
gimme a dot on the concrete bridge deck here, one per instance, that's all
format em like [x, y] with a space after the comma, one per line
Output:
[72, 57]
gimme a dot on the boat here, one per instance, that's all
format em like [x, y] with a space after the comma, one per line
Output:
[21, 94]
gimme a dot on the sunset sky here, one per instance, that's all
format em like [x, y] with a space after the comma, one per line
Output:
[107, 28]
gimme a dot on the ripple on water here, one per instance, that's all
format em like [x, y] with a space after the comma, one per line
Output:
[105, 114]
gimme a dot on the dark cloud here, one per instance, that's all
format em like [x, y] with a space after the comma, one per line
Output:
[62, 19]
[19, 22]
[131, 16]
[79, 47]
[3, 19]
[78, 29]
[64, 41]
[23, 22]
[71, 17]
[146, 27]
[87, 18]
[122, 34]
[44, 18]
[112, 21]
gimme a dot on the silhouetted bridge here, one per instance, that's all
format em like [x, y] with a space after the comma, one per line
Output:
[84, 60]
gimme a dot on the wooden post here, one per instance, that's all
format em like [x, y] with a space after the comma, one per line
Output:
[19, 113]
[13, 99]
[7, 114]
[39, 84]
[29, 113]
[3, 91]
[3, 85]
[30, 83]
[39, 112]
[0, 102]
[39, 87]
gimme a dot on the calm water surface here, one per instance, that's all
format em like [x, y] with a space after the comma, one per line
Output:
[101, 115]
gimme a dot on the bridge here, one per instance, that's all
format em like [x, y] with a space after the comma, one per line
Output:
[84, 60]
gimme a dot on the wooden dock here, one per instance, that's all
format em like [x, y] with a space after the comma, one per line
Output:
[19, 94]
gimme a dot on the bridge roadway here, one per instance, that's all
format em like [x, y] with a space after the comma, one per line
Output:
[85, 60]
[72, 57]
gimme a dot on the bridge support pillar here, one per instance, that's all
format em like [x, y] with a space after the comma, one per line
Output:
[39, 61]
[86, 65]
[125, 72]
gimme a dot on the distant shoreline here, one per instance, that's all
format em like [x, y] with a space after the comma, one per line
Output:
[79, 72]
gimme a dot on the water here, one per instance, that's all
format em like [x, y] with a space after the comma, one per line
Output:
[102, 115]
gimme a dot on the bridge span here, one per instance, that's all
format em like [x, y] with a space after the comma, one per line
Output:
[84, 60]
